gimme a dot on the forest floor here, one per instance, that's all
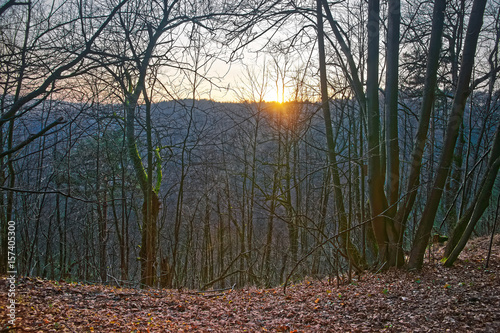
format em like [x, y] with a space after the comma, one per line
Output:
[464, 298]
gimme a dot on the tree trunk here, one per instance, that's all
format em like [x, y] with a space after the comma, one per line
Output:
[454, 122]
[270, 231]
[480, 203]
[425, 114]
[346, 244]
[352, 74]
[103, 238]
[391, 106]
[383, 228]
[150, 208]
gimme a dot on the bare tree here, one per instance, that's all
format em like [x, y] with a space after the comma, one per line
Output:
[454, 122]
[30, 73]
[346, 243]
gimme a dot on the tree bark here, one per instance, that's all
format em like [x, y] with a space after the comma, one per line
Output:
[391, 106]
[382, 227]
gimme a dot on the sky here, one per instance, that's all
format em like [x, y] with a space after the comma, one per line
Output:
[252, 75]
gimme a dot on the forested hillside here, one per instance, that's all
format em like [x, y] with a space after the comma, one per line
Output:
[200, 144]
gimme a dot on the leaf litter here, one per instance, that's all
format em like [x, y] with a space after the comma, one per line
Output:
[463, 298]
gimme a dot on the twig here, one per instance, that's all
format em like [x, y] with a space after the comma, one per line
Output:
[493, 233]
[220, 292]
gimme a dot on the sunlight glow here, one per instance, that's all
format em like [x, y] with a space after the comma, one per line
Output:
[276, 94]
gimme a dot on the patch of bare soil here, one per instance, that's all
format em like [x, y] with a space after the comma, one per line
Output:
[464, 298]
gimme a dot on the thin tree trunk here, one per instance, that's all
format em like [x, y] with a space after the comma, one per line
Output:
[346, 243]
[464, 221]
[482, 202]
[250, 215]
[293, 228]
[124, 248]
[270, 231]
[391, 106]
[220, 241]
[320, 236]
[353, 69]
[425, 115]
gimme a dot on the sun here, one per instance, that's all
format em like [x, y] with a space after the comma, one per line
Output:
[275, 94]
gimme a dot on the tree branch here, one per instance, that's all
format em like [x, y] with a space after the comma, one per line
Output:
[33, 137]
[9, 4]
[57, 73]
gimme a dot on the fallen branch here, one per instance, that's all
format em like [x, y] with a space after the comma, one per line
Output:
[220, 292]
